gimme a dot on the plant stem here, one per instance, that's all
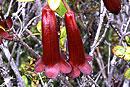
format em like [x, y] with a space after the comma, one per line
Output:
[66, 6]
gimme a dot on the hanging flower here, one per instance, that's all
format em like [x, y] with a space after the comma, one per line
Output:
[52, 62]
[77, 58]
[114, 6]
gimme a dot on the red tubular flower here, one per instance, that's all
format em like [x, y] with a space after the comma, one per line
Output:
[77, 58]
[114, 6]
[51, 61]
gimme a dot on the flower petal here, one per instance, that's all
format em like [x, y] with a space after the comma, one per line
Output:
[39, 66]
[0, 41]
[65, 67]
[63, 56]
[75, 72]
[52, 71]
[88, 57]
[38, 61]
[9, 22]
[2, 24]
[85, 68]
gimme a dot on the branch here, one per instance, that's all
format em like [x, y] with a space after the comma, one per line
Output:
[103, 12]
[61, 77]
[12, 64]
[4, 73]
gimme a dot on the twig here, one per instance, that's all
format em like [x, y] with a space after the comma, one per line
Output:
[93, 81]
[12, 64]
[13, 50]
[34, 37]
[23, 44]
[18, 55]
[29, 24]
[100, 63]
[29, 49]
[103, 12]
[61, 77]
[123, 36]
[9, 8]
[109, 55]
[41, 79]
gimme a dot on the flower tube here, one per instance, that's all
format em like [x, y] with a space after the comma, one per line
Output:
[77, 58]
[114, 6]
[52, 61]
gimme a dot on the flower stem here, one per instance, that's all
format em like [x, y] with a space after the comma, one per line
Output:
[66, 6]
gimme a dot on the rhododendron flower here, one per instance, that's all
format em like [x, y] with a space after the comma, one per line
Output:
[77, 57]
[52, 62]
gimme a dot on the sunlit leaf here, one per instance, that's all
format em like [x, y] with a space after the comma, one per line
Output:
[54, 4]
[127, 74]
[31, 60]
[32, 73]
[127, 49]
[118, 51]
[33, 34]
[39, 28]
[61, 10]
[33, 84]
[63, 37]
[127, 40]
[126, 56]
[2, 28]
[25, 80]
[25, 0]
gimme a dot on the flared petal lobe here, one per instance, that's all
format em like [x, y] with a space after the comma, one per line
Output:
[52, 71]
[39, 65]
[114, 6]
[77, 57]
[75, 71]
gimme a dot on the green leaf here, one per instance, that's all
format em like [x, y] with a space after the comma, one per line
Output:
[127, 49]
[39, 27]
[118, 51]
[62, 36]
[127, 40]
[126, 56]
[25, 80]
[61, 10]
[25, 0]
[127, 74]
[63, 32]
[33, 34]
[31, 60]
[54, 4]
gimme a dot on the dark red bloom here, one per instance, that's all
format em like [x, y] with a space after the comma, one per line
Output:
[77, 58]
[114, 6]
[9, 22]
[52, 62]
[4, 34]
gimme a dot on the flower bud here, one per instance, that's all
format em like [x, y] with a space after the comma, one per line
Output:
[114, 6]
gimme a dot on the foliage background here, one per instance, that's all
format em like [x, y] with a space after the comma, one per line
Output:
[100, 31]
